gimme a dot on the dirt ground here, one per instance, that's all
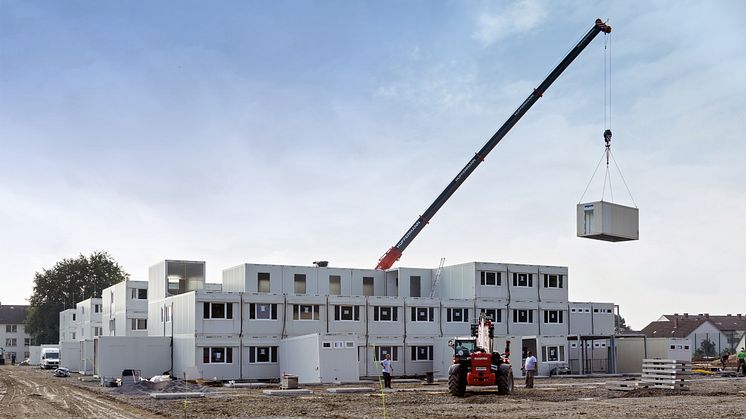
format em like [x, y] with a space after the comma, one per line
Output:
[30, 392]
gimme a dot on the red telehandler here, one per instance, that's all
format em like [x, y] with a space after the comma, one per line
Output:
[395, 252]
[476, 364]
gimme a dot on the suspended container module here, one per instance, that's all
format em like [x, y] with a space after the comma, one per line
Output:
[606, 221]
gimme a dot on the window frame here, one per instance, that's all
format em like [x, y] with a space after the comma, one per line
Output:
[209, 307]
[526, 278]
[381, 351]
[393, 313]
[298, 312]
[484, 279]
[336, 281]
[254, 311]
[558, 281]
[517, 316]
[429, 314]
[559, 351]
[209, 354]
[354, 313]
[135, 323]
[559, 316]
[261, 281]
[300, 281]
[451, 315]
[416, 353]
[272, 354]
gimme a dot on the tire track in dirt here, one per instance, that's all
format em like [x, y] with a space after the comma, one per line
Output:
[26, 393]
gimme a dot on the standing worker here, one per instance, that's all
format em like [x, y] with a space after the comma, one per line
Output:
[387, 370]
[742, 362]
[530, 368]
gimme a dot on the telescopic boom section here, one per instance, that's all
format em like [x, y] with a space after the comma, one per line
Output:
[393, 254]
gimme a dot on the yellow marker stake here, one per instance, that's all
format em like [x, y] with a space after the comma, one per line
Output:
[380, 384]
[185, 397]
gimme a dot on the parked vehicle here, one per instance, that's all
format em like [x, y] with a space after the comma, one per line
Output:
[62, 372]
[50, 358]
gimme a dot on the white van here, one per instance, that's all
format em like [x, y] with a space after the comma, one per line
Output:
[50, 358]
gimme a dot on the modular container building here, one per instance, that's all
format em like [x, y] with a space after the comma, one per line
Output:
[603, 220]
[320, 358]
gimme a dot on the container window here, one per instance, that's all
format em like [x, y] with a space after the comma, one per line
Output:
[382, 351]
[300, 283]
[305, 312]
[385, 314]
[262, 354]
[523, 280]
[552, 281]
[262, 311]
[335, 285]
[415, 283]
[489, 278]
[368, 285]
[262, 279]
[523, 316]
[326, 345]
[422, 353]
[347, 313]
[457, 315]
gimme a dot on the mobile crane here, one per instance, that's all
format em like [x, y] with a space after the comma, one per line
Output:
[395, 252]
[476, 364]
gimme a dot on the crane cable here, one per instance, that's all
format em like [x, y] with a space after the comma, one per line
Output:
[607, 133]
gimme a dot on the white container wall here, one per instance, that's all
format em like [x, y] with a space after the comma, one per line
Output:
[70, 355]
[607, 221]
[150, 354]
[34, 357]
[419, 355]
[326, 358]
[260, 358]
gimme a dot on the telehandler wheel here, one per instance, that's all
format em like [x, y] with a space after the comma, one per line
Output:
[457, 382]
[505, 383]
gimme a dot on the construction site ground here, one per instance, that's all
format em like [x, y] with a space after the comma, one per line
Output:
[31, 392]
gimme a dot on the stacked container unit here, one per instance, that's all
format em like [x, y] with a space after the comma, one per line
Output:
[422, 326]
[125, 309]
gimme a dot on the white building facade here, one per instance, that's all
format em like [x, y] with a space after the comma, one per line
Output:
[234, 330]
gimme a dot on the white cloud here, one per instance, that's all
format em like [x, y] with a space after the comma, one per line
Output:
[518, 17]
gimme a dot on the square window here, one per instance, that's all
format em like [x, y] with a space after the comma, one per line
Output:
[523, 280]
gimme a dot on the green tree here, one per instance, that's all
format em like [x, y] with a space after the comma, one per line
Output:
[621, 324]
[707, 348]
[68, 282]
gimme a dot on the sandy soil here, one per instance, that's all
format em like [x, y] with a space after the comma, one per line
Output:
[27, 393]
[708, 397]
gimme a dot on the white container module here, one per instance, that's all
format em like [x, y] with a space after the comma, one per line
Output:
[320, 358]
[603, 220]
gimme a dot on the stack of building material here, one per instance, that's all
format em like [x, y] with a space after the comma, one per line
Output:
[665, 373]
[626, 385]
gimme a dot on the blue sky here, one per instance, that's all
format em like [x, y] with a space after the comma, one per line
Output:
[287, 132]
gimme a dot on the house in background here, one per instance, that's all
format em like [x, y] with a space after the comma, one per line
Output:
[708, 335]
[13, 338]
